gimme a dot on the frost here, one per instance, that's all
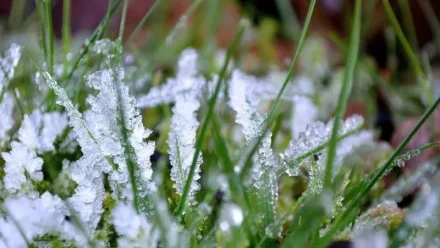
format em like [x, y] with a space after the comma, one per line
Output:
[21, 163]
[133, 229]
[38, 131]
[314, 137]
[36, 217]
[105, 124]
[187, 81]
[6, 120]
[304, 113]
[371, 238]
[8, 64]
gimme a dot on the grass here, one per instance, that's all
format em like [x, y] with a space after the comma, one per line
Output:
[292, 214]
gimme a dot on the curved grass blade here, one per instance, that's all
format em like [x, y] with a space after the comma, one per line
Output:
[344, 94]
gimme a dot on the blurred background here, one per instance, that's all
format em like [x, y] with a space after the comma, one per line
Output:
[386, 92]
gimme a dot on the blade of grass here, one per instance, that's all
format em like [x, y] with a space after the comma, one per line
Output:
[16, 14]
[344, 94]
[408, 23]
[122, 24]
[42, 24]
[50, 35]
[66, 32]
[231, 49]
[432, 20]
[142, 22]
[274, 110]
[290, 19]
[412, 57]
[344, 218]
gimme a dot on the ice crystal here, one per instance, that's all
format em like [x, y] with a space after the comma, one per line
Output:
[38, 131]
[304, 114]
[21, 161]
[314, 137]
[133, 229]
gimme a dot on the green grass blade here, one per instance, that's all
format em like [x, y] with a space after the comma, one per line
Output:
[51, 35]
[408, 23]
[432, 20]
[412, 57]
[66, 31]
[231, 49]
[42, 23]
[344, 94]
[142, 22]
[122, 24]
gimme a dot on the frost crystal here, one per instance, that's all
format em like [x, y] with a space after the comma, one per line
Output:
[133, 229]
[39, 131]
[19, 162]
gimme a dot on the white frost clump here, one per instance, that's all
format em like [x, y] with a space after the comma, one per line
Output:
[134, 230]
[304, 113]
[38, 130]
[19, 160]
[36, 217]
[8, 64]
[6, 120]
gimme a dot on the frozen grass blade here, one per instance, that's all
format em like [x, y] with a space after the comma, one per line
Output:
[204, 127]
[344, 94]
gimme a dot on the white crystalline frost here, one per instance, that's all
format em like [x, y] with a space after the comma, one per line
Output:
[187, 80]
[38, 130]
[36, 217]
[105, 124]
[6, 113]
[8, 64]
[18, 161]
[187, 87]
[315, 135]
[133, 229]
